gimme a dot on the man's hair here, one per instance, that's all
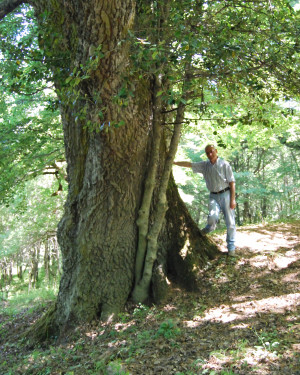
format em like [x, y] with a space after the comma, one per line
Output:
[210, 145]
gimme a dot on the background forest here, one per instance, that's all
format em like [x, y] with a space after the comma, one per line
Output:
[255, 129]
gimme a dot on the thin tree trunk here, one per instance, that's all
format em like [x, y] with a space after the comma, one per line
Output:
[47, 260]
[141, 290]
[55, 259]
[144, 212]
[34, 269]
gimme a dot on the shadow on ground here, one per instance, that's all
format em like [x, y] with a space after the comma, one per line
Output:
[243, 320]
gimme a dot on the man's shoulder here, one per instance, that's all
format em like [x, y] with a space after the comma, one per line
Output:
[199, 166]
[223, 162]
[201, 162]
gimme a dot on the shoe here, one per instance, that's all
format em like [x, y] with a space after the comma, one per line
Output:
[231, 253]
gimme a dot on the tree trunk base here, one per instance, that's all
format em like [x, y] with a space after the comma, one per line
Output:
[187, 249]
[160, 285]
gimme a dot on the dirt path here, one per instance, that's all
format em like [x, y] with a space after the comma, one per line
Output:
[243, 320]
[253, 302]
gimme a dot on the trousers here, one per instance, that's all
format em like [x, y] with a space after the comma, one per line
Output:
[221, 203]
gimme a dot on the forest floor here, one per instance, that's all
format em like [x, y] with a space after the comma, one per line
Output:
[243, 320]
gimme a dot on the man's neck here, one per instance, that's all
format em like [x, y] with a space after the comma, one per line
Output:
[214, 161]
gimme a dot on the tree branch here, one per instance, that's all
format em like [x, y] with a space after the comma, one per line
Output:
[8, 6]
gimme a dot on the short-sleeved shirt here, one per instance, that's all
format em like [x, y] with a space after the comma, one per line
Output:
[217, 176]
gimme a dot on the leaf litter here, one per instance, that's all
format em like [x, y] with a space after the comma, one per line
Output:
[244, 319]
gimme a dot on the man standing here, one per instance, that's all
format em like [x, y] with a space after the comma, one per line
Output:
[220, 182]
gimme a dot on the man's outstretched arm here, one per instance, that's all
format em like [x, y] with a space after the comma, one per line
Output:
[186, 164]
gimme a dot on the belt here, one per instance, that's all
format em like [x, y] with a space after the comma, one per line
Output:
[221, 191]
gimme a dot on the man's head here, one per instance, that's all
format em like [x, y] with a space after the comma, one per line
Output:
[211, 153]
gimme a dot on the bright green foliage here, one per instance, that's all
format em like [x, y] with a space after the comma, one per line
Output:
[21, 299]
[23, 68]
[31, 140]
[31, 145]
[27, 225]
[250, 49]
[168, 329]
[32, 215]
[265, 162]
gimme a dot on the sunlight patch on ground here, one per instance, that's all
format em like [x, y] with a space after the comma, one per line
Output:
[92, 334]
[169, 307]
[247, 356]
[288, 258]
[254, 356]
[246, 310]
[291, 278]
[260, 261]
[296, 347]
[260, 242]
[265, 250]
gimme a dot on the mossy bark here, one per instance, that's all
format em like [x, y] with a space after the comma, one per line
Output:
[43, 330]
[107, 168]
[142, 286]
[150, 185]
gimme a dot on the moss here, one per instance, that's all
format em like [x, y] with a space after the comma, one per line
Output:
[42, 330]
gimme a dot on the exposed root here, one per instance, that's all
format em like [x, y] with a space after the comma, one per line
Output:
[43, 330]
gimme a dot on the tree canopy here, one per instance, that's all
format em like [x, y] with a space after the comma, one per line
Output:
[240, 56]
[30, 126]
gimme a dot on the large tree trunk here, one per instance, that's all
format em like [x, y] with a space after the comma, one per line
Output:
[107, 165]
[98, 231]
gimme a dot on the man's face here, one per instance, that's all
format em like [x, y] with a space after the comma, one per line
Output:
[212, 154]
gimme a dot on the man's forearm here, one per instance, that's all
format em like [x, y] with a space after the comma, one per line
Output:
[186, 164]
[232, 195]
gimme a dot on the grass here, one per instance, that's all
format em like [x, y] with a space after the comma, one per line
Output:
[18, 297]
[28, 300]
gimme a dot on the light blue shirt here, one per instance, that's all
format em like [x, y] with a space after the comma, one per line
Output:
[217, 176]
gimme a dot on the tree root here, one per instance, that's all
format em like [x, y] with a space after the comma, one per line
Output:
[43, 330]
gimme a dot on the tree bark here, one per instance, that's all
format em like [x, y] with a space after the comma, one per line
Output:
[144, 212]
[141, 289]
[108, 140]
